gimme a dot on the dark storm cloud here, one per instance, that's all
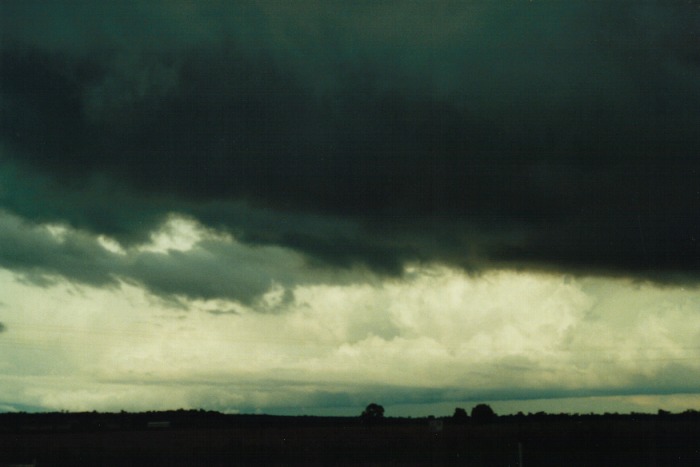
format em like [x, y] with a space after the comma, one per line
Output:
[212, 269]
[554, 135]
[39, 254]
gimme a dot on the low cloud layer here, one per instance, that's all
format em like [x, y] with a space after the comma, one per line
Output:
[436, 337]
[181, 261]
[526, 134]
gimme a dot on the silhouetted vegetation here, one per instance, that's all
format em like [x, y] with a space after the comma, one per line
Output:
[372, 414]
[483, 413]
[197, 437]
[460, 416]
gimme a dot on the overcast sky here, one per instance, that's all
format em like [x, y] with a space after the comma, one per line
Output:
[304, 207]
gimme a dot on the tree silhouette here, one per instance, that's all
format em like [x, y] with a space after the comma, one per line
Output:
[460, 415]
[483, 413]
[373, 413]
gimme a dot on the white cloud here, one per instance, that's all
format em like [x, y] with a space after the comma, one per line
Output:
[508, 334]
[179, 233]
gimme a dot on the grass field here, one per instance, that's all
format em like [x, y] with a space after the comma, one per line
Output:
[305, 441]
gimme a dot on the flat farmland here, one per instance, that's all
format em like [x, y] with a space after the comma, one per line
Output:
[569, 442]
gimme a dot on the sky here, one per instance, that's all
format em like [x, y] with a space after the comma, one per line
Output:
[304, 207]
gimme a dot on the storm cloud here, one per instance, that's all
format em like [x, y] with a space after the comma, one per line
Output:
[482, 134]
[211, 268]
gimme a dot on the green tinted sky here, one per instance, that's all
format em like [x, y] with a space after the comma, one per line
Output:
[307, 206]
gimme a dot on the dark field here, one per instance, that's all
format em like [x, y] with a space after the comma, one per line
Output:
[205, 438]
